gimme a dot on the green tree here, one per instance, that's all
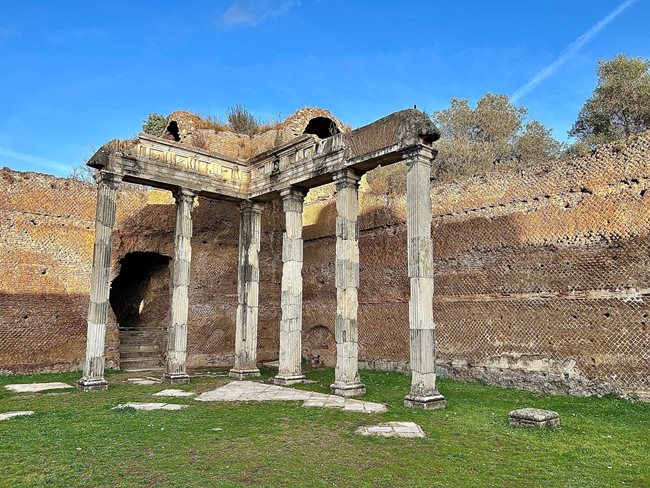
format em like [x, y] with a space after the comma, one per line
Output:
[155, 124]
[494, 134]
[619, 105]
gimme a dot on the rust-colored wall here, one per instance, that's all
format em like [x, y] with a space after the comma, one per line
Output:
[46, 245]
[541, 277]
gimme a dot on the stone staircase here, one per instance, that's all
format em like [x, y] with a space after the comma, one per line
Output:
[140, 349]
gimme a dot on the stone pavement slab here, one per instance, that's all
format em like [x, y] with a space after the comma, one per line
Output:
[151, 406]
[144, 381]
[246, 391]
[9, 415]
[36, 387]
[392, 429]
[174, 393]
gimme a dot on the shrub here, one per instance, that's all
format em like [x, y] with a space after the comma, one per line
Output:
[155, 125]
[240, 120]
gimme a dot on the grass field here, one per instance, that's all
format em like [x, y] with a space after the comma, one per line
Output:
[75, 440]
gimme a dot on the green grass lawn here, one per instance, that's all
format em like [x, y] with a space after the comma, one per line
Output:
[75, 440]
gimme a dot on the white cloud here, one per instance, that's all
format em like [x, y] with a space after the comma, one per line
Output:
[255, 12]
[30, 158]
[571, 50]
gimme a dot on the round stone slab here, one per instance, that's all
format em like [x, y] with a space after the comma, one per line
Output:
[534, 417]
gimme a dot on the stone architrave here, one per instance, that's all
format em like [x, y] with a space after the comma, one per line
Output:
[93, 374]
[247, 291]
[347, 381]
[176, 354]
[290, 370]
[423, 392]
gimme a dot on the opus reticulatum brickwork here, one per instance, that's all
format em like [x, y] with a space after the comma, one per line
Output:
[540, 276]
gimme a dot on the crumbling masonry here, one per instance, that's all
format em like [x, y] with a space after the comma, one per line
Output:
[289, 170]
[540, 276]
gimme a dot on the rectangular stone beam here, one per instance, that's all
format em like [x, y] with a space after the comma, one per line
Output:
[247, 291]
[93, 374]
[423, 392]
[346, 381]
[176, 354]
[290, 370]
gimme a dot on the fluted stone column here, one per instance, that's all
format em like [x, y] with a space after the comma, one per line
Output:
[423, 392]
[93, 375]
[176, 354]
[247, 292]
[347, 382]
[290, 370]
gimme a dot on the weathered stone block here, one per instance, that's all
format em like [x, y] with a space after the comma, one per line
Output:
[534, 417]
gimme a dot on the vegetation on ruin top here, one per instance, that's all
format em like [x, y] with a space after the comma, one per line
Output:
[75, 439]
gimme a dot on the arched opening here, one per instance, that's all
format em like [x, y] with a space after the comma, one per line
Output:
[319, 347]
[172, 132]
[321, 127]
[139, 296]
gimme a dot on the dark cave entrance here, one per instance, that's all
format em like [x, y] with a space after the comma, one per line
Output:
[172, 132]
[139, 296]
[321, 127]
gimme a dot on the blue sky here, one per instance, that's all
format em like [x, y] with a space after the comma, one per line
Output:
[75, 74]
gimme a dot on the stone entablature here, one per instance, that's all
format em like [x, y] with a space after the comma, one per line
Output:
[306, 161]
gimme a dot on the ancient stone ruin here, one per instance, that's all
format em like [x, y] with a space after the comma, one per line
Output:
[287, 172]
[540, 275]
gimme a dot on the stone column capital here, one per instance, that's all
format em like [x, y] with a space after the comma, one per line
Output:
[419, 154]
[250, 206]
[346, 178]
[293, 193]
[184, 195]
[108, 178]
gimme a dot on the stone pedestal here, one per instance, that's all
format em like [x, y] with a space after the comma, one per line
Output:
[247, 292]
[290, 368]
[534, 417]
[93, 374]
[176, 355]
[347, 381]
[423, 392]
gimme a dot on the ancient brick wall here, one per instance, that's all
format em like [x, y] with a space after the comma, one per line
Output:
[46, 246]
[541, 277]
[213, 277]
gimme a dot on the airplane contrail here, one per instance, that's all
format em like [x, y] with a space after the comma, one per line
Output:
[570, 51]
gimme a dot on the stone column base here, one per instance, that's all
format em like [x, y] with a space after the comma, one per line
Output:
[242, 374]
[288, 380]
[348, 389]
[92, 385]
[176, 378]
[431, 402]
